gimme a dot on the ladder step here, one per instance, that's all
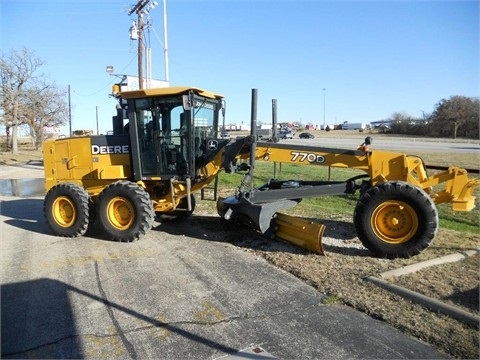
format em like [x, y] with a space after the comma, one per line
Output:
[211, 187]
[188, 185]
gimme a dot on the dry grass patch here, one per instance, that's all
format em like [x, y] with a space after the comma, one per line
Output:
[341, 277]
[23, 157]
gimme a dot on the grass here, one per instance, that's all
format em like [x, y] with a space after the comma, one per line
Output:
[460, 221]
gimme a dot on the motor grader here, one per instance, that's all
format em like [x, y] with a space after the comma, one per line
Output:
[166, 147]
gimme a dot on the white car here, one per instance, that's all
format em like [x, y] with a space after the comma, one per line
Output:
[285, 135]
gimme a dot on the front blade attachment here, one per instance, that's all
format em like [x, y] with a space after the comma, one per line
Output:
[303, 233]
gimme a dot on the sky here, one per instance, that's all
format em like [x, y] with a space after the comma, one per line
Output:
[323, 61]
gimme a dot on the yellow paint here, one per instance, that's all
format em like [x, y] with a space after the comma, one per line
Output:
[160, 332]
[103, 346]
[209, 313]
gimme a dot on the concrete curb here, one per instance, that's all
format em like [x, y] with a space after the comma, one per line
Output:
[424, 264]
[432, 304]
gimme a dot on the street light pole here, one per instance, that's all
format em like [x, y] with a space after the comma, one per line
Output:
[96, 116]
[323, 108]
[165, 39]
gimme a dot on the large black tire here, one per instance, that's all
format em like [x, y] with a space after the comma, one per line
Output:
[93, 226]
[176, 216]
[396, 220]
[66, 210]
[125, 211]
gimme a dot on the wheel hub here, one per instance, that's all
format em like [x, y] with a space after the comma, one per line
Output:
[64, 211]
[394, 222]
[121, 213]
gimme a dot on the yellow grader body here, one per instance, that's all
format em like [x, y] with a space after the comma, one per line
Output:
[382, 166]
[166, 146]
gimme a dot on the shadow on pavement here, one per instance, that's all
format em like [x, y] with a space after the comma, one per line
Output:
[214, 228]
[25, 214]
[28, 214]
[37, 321]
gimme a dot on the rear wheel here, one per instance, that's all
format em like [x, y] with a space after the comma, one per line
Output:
[396, 219]
[125, 211]
[66, 209]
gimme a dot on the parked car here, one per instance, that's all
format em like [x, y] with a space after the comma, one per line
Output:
[306, 135]
[225, 135]
[285, 135]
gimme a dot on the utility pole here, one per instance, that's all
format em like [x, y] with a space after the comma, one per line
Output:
[69, 112]
[140, 50]
[137, 32]
[139, 9]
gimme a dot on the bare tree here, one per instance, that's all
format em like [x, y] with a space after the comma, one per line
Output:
[403, 123]
[44, 107]
[456, 116]
[27, 97]
[16, 71]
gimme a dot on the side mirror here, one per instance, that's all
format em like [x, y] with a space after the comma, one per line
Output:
[223, 106]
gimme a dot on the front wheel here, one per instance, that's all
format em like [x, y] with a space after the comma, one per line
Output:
[125, 211]
[396, 219]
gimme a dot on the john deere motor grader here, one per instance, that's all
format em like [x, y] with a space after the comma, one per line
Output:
[166, 146]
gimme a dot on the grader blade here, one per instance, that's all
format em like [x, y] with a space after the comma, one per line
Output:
[306, 234]
[254, 215]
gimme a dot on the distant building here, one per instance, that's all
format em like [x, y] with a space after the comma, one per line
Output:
[380, 123]
[355, 126]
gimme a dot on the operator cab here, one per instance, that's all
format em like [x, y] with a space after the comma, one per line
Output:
[172, 131]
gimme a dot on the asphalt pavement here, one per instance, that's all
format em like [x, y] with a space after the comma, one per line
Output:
[411, 145]
[178, 293]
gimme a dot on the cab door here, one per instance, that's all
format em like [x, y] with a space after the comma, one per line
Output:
[159, 141]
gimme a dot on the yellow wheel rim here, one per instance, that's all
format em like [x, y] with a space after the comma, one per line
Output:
[121, 213]
[394, 222]
[64, 211]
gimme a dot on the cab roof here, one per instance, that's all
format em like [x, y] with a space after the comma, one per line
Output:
[172, 90]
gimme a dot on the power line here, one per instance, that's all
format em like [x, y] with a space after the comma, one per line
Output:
[109, 83]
